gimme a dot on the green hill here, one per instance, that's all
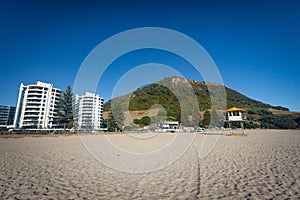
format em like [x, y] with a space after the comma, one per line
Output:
[169, 91]
[158, 93]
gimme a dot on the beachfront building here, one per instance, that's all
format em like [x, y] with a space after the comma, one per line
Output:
[7, 114]
[88, 112]
[36, 106]
[235, 115]
[168, 126]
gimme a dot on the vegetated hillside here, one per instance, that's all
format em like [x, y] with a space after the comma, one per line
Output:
[178, 95]
[160, 93]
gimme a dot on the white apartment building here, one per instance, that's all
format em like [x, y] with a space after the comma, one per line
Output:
[88, 112]
[36, 106]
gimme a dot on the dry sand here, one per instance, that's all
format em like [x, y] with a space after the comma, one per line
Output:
[264, 165]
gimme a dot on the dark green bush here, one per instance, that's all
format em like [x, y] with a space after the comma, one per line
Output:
[280, 122]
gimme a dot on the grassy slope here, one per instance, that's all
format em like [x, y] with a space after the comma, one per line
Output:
[158, 93]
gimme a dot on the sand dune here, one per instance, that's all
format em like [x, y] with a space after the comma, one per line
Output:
[264, 165]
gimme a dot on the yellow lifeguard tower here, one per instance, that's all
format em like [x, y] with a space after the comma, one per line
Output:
[235, 115]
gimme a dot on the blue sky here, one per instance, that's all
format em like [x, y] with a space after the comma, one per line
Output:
[255, 44]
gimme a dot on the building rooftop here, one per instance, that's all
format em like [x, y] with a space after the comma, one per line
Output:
[235, 109]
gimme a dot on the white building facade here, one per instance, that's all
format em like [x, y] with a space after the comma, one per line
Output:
[88, 112]
[168, 126]
[36, 106]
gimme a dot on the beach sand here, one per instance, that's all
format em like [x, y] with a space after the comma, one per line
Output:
[263, 165]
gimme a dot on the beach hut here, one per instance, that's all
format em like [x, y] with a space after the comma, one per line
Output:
[235, 115]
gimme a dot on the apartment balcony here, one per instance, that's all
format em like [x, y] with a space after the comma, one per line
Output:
[35, 88]
[86, 121]
[89, 117]
[32, 97]
[88, 98]
[33, 105]
[27, 112]
[87, 101]
[91, 106]
[30, 118]
[88, 107]
[86, 117]
[32, 109]
[87, 124]
[87, 112]
[32, 125]
[30, 121]
[35, 92]
[33, 101]
[84, 104]
[31, 113]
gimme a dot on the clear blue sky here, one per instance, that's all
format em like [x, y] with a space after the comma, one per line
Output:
[255, 44]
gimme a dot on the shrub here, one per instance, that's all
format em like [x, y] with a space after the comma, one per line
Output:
[145, 120]
[264, 113]
[252, 112]
[136, 121]
[281, 122]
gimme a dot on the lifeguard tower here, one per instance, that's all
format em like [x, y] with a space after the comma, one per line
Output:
[235, 115]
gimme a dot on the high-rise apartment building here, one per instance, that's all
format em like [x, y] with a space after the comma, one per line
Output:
[36, 106]
[88, 112]
[7, 114]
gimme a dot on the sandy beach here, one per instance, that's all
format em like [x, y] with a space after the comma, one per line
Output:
[265, 164]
